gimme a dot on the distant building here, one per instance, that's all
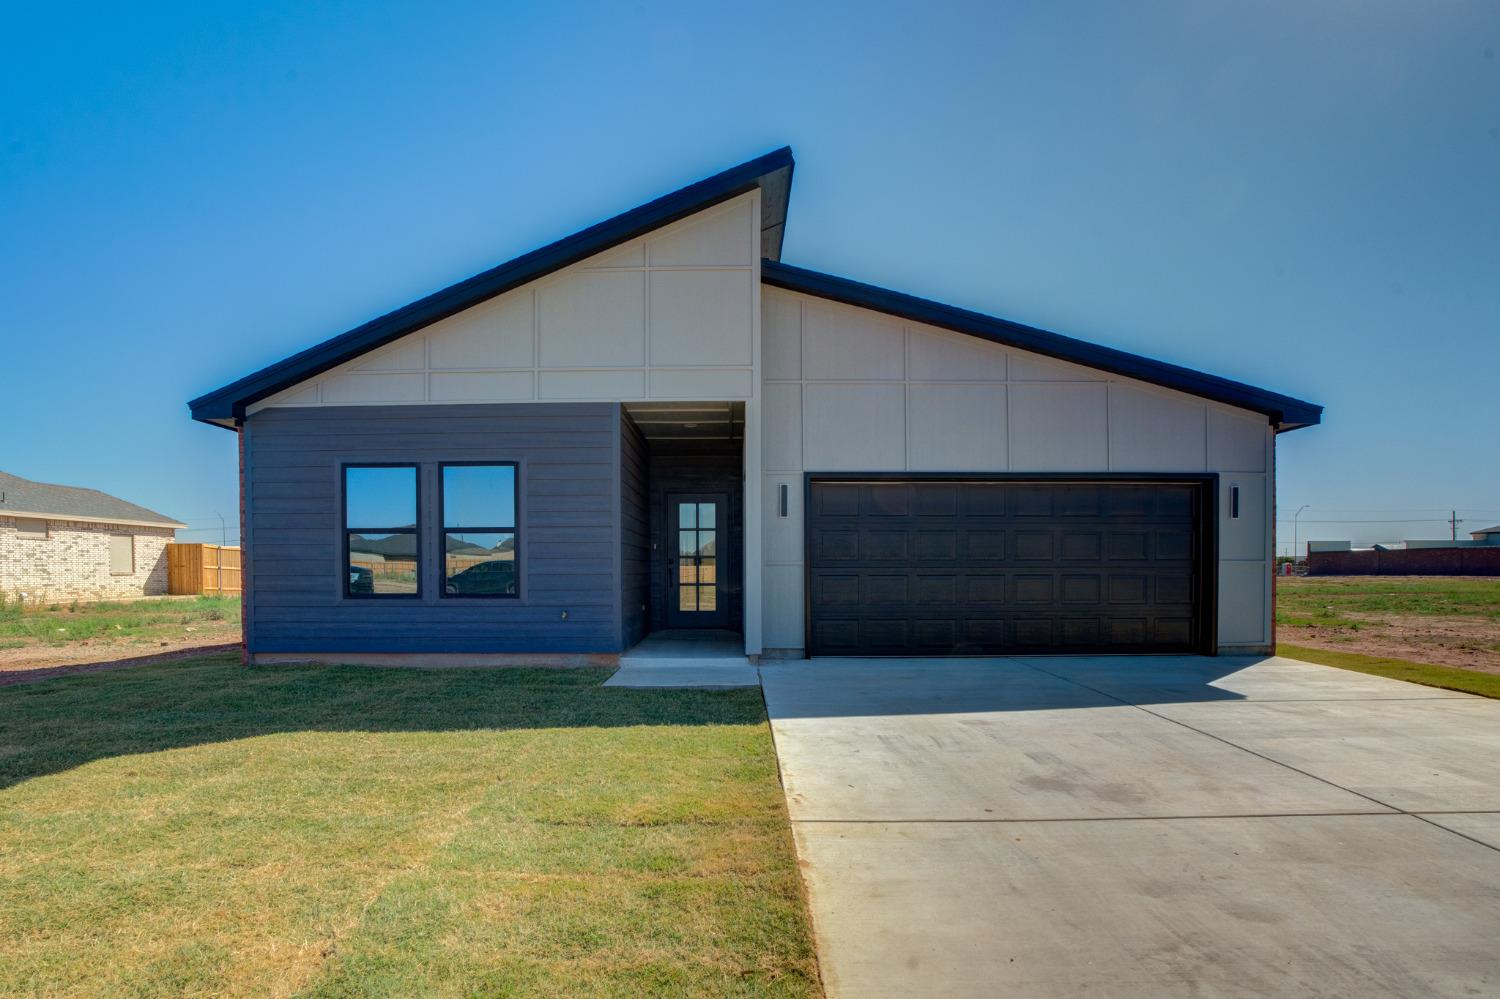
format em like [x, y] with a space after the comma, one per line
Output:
[1488, 536]
[70, 543]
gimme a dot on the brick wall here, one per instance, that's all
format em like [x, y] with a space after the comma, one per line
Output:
[1407, 562]
[73, 562]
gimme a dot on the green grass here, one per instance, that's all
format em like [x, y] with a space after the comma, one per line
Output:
[201, 828]
[1329, 601]
[1468, 681]
[133, 620]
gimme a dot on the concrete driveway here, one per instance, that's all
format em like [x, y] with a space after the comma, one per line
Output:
[1148, 827]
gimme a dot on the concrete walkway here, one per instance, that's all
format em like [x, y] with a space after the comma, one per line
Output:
[1143, 827]
[687, 658]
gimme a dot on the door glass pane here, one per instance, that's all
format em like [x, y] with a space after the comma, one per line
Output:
[706, 571]
[687, 572]
[687, 542]
[706, 544]
[708, 598]
[706, 513]
[687, 515]
[687, 598]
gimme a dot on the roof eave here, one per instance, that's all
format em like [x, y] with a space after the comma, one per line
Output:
[1284, 412]
[772, 173]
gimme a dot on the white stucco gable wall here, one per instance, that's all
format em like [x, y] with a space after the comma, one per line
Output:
[669, 315]
[852, 390]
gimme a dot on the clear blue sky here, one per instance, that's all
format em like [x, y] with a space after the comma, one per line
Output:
[1302, 196]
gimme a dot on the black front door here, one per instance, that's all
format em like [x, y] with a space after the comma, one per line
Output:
[695, 588]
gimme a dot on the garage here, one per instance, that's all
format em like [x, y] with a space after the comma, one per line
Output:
[941, 566]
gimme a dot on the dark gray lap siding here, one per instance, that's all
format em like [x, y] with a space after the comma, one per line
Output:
[569, 543]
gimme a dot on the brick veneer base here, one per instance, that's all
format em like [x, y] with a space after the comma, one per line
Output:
[72, 563]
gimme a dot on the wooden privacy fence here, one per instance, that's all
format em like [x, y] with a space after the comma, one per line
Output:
[213, 570]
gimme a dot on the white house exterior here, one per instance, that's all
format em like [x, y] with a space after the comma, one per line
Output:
[72, 543]
[635, 419]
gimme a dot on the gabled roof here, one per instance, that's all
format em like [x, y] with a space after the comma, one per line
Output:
[24, 498]
[1486, 530]
[772, 173]
[1284, 412]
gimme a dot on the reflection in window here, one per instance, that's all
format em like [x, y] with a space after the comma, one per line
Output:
[380, 530]
[479, 531]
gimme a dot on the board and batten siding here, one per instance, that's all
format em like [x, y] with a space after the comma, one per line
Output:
[669, 315]
[852, 390]
[569, 535]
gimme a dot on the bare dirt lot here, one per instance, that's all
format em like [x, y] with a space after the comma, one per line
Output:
[40, 639]
[1444, 620]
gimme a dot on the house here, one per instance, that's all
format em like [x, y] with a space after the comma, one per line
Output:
[656, 423]
[1488, 536]
[70, 543]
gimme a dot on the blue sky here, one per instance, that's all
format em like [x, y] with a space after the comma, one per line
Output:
[1302, 196]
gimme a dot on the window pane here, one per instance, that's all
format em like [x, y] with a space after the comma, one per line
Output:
[687, 542]
[706, 544]
[706, 571]
[705, 515]
[380, 497]
[382, 563]
[33, 530]
[479, 496]
[479, 565]
[687, 598]
[687, 572]
[687, 516]
[708, 598]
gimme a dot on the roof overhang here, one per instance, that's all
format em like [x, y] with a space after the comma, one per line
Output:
[78, 518]
[1284, 412]
[771, 173]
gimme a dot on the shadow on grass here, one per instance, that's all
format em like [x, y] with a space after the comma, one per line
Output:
[55, 725]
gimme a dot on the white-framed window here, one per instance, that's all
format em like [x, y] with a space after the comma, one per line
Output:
[122, 554]
[31, 529]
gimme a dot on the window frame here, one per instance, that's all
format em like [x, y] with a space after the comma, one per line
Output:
[443, 530]
[415, 530]
[23, 534]
[128, 537]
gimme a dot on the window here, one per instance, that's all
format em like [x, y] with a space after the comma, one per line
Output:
[31, 529]
[380, 531]
[479, 530]
[121, 555]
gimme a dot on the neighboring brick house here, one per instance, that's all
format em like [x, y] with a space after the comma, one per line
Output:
[69, 543]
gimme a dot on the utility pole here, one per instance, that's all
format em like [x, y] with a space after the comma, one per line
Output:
[1304, 506]
[1453, 523]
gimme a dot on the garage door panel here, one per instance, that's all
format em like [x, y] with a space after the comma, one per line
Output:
[1086, 546]
[1034, 546]
[983, 545]
[883, 546]
[910, 567]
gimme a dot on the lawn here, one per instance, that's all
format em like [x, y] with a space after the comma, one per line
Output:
[200, 828]
[1448, 621]
[134, 622]
[1447, 677]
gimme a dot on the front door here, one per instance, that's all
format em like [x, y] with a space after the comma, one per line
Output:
[695, 589]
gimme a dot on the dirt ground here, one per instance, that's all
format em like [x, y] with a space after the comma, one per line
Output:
[1416, 618]
[14, 668]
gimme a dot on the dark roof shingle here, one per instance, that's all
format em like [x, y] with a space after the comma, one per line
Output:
[23, 497]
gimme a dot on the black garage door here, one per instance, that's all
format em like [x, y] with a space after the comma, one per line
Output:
[967, 567]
